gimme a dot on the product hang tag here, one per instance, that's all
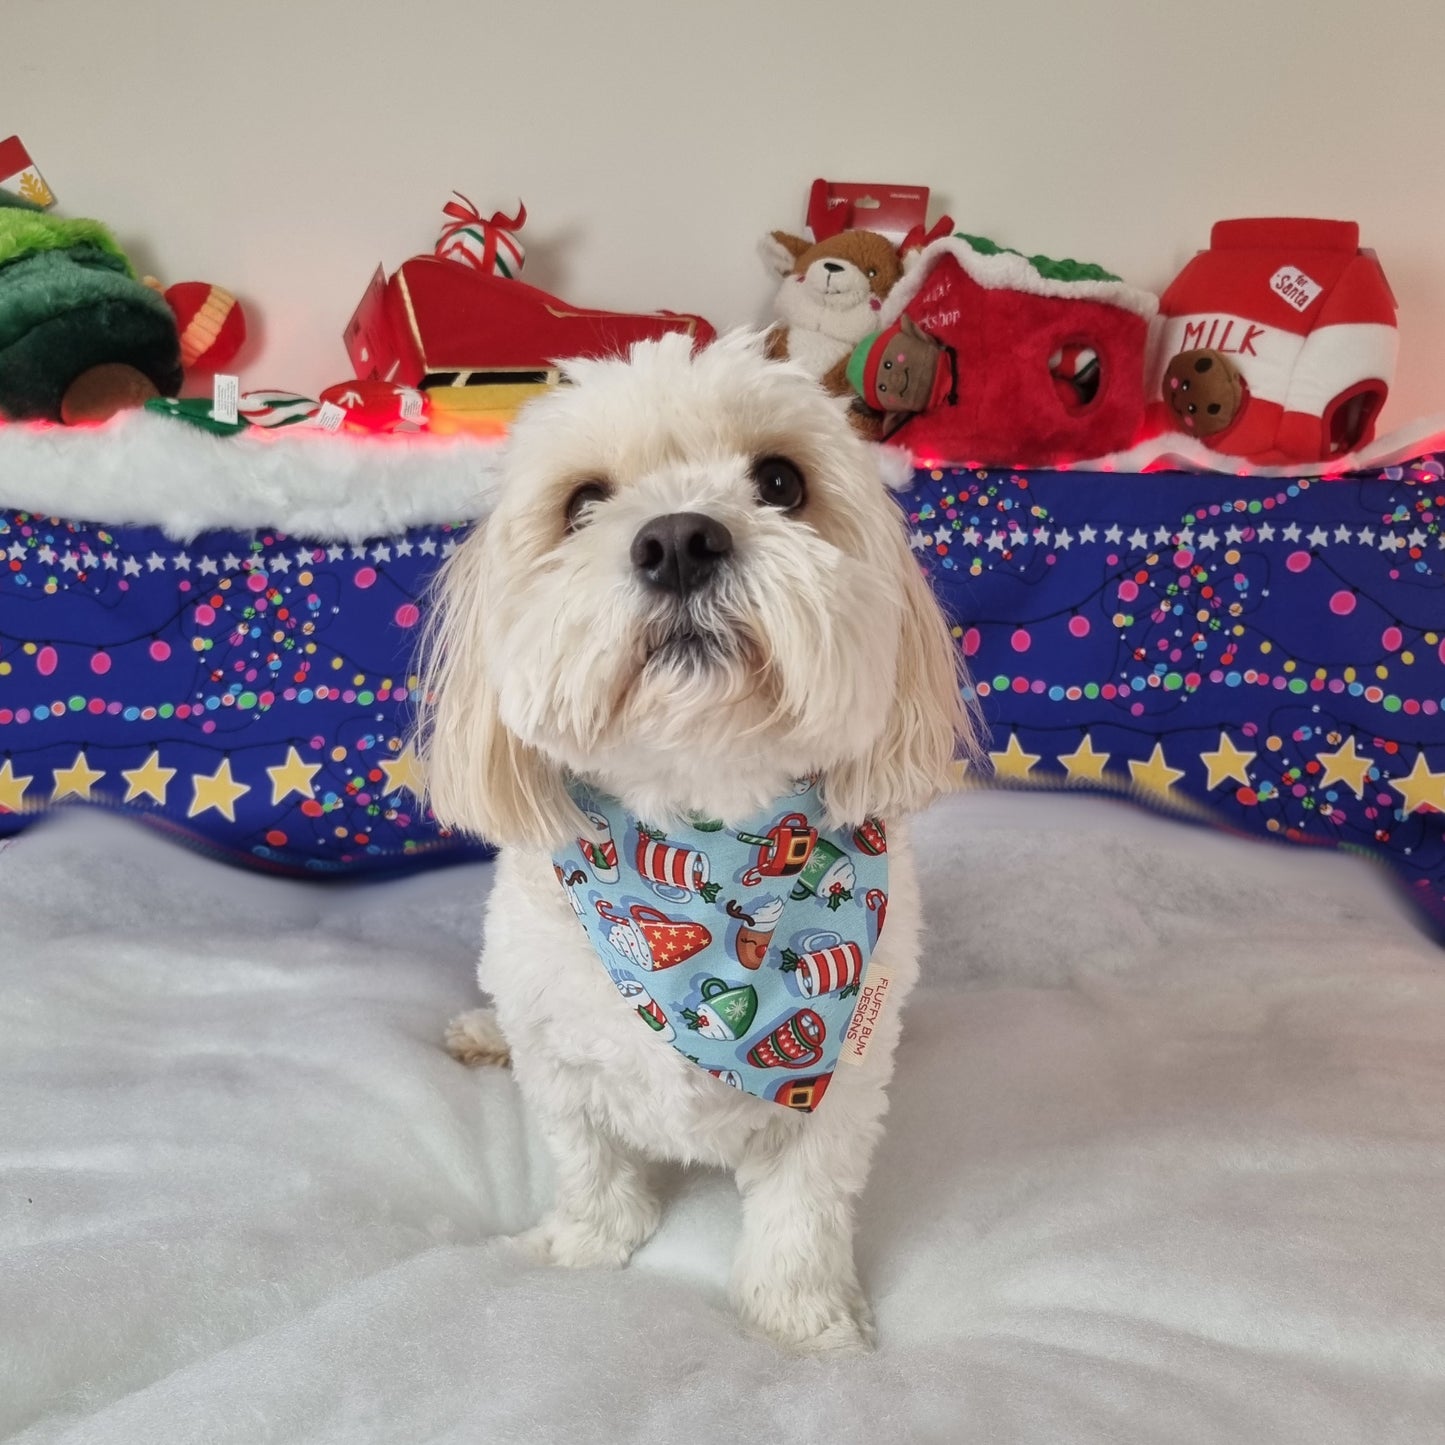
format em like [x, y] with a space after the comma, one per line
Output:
[225, 398]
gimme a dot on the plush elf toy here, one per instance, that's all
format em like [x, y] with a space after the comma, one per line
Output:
[903, 370]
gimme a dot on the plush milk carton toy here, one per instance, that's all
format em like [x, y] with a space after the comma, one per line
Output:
[1277, 344]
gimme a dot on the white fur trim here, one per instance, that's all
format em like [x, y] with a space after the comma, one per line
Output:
[895, 466]
[1007, 271]
[149, 470]
[1176, 452]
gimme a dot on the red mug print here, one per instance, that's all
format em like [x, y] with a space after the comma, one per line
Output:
[797, 1043]
[782, 851]
[650, 939]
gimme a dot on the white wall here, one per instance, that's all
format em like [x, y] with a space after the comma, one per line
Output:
[284, 147]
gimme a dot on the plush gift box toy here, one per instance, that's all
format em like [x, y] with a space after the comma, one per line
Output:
[989, 356]
[1277, 344]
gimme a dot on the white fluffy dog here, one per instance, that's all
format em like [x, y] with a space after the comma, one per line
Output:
[791, 634]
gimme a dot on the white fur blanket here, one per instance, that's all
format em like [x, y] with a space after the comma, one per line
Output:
[1166, 1163]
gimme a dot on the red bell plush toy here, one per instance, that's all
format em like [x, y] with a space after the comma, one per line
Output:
[1277, 344]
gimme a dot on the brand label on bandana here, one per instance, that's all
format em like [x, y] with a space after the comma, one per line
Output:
[743, 948]
[871, 1003]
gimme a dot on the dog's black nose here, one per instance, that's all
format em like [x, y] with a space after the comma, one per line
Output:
[681, 551]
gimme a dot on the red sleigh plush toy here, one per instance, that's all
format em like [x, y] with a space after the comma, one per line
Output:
[988, 356]
[1277, 344]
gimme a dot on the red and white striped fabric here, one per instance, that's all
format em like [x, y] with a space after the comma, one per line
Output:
[833, 966]
[661, 862]
[1306, 317]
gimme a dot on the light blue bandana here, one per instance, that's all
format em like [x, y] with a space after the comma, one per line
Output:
[742, 948]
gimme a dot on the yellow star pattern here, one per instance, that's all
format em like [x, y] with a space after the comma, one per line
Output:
[1420, 787]
[1013, 761]
[12, 788]
[150, 780]
[292, 776]
[403, 771]
[1084, 764]
[1155, 775]
[75, 781]
[219, 790]
[1227, 763]
[1345, 765]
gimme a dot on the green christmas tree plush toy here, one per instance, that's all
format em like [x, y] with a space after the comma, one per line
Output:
[80, 335]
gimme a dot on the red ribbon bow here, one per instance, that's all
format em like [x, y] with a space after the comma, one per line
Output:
[464, 213]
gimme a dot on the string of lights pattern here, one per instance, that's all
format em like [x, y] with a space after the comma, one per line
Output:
[1264, 654]
[250, 693]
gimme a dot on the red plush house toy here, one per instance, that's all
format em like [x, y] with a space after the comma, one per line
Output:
[988, 356]
[1277, 344]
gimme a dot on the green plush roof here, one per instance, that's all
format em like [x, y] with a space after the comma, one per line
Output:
[1065, 270]
[26, 233]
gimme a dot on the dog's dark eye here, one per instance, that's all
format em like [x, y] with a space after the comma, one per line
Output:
[779, 484]
[585, 496]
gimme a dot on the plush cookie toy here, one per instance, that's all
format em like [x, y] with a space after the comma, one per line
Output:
[1204, 390]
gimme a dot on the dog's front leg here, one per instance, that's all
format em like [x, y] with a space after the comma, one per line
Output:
[605, 1206]
[794, 1278]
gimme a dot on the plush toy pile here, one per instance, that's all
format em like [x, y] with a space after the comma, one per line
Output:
[1276, 346]
[1273, 347]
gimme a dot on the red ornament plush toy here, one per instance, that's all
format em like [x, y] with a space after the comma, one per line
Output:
[211, 322]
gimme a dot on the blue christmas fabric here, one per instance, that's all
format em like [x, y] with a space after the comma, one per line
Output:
[1266, 655]
[248, 693]
[743, 948]
[1259, 654]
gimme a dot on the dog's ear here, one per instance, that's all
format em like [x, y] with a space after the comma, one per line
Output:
[929, 727]
[779, 251]
[480, 776]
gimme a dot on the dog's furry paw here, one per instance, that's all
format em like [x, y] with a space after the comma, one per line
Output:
[831, 1323]
[475, 1038]
[575, 1245]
